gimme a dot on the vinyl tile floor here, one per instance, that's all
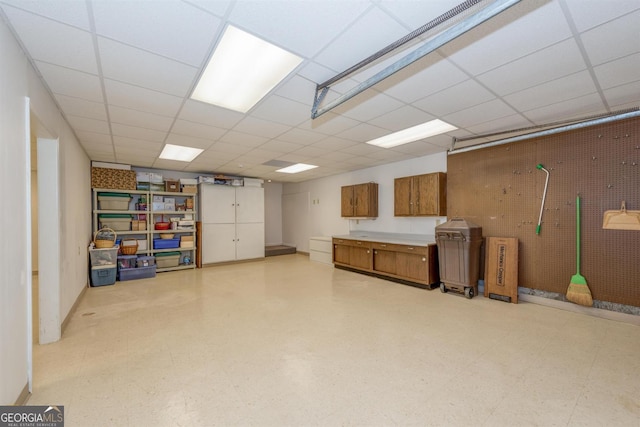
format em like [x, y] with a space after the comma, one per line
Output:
[290, 342]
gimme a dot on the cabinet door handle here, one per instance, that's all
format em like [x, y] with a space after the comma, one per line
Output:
[384, 246]
[368, 251]
[410, 249]
[424, 259]
[359, 243]
[375, 252]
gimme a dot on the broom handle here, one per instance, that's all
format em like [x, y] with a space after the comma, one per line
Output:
[578, 234]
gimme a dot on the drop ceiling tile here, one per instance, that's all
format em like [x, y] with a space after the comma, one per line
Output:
[282, 110]
[140, 68]
[589, 13]
[295, 157]
[618, 72]
[225, 147]
[329, 124]
[568, 87]
[309, 151]
[301, 136]
[416, 149]
[188, 141]
[613, 40]
[416, 13]
[53, 42]
[102, 157]
[515, 121]
[512, 34]
[217, 7]
[572, 108]
[259, 127]
[363, 150]
[623, 95]
[216, 157]
[278, 146]
[200, 112]
[137, 98]
[169, 164]
[97, 147]
[152, 148]
[243, 139]
[362, 42]
[262, 153]
[396, 156]
[87, 124]
[304, 27]
[76, 84]
[94, 139]
[299, 89]
[456, 98]
[205, 168]
[135, 132]
[180, 31]
[197, 130]
[545, 65]
[81, 107]
[69, 12]
[425, 77]
[486, 112]
[402, 118]
[367, 105]
[363, 132]
[335, 143]
[126, 116]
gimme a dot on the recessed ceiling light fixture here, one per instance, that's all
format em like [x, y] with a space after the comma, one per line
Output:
[242, 70]
[425, 130]
[298, 167]
[180, 153]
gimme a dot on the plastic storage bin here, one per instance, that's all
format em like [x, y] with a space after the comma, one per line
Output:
[104, 257]
[145, 261]
[127, 261]
[103, 275]
[168, 259]
[137, 273]
[459, 243]
[114, 201]
[166, 243]
[116, 222]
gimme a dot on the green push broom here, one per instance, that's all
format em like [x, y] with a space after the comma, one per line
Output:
[578, 291]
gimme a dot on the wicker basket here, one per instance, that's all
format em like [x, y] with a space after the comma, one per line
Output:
[128, 249]
[104, 238]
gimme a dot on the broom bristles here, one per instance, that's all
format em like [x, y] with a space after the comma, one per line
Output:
[579, 292]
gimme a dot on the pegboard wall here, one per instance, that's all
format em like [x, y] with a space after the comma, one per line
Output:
[501, 189]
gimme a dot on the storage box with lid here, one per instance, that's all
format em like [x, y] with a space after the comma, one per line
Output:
[186, 242]
[145, 261]
[116, 222]
[127, 261]
[137, 273]
[104, 256]
[103, 275]
[172, 185]
[168, 259]
[189, 185]
[166, 243]
[114, 201]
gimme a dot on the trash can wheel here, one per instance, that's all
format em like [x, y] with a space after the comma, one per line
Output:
[443, 288]
[469, 293]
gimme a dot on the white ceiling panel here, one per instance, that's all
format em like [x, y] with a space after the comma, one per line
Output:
[136, 132]
[137, 98]
[613, 40]
[537, 62]
[130, 117]
[170, 27]
[588, 13]
[545, 65]
[485, 48]
[140, 68]
[302, 27]
[64, 81]
[82, 108]
[53, 42]
[456, 98]
[169, 165]
[88, 125]
[197, 130]
[572, 86]
[619, 72]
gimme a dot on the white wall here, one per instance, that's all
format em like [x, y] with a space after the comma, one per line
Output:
[18, 80]
[324, 202]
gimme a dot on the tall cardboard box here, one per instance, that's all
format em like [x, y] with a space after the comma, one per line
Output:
[501, 269]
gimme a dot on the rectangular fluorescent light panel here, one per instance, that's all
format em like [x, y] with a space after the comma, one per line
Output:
[298, 167]
[180, 153]
[242, 70]
[415, 133]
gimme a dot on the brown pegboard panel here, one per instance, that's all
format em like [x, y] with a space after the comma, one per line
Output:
[501, 189]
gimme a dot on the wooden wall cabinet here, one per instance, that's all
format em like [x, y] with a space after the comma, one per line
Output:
[409, 263]
[360, 200]
[421, 195]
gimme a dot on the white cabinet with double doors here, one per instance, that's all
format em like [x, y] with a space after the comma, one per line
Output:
[232, 223]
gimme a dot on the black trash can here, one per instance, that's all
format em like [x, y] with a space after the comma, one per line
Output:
[459, 242]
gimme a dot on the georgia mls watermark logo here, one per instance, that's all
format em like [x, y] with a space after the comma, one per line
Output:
[31, 416]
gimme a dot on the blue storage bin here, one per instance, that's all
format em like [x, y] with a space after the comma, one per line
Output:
[103, 275]
[166, 243]
[125, 274]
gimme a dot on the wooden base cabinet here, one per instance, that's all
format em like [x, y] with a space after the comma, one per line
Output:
[410, 263]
